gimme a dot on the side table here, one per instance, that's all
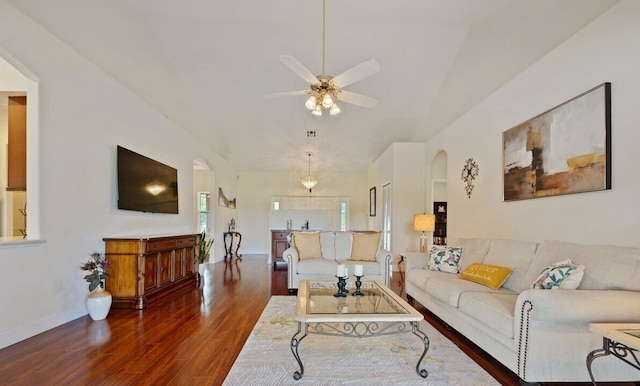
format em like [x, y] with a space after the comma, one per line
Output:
[621, 340]
[228, 248]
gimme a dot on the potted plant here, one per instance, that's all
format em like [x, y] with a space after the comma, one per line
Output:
[99, 300]
[203, 251]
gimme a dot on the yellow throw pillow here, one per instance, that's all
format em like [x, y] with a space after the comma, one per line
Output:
[307, 245]
[364, 246]
[493, 276]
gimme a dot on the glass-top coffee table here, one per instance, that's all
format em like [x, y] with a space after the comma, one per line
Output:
[379, 311]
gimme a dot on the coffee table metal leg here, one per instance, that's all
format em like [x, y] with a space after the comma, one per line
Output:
[295, 343]
[425, 339]
[593, 355]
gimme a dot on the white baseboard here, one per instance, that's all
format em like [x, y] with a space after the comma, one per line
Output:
[7, 338]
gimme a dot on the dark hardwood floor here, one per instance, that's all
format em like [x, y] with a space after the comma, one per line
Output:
[190, 338]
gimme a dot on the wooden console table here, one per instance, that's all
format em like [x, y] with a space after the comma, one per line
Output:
[149, 266]
[229, 248]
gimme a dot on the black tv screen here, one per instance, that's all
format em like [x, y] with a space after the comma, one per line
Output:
[146, 185]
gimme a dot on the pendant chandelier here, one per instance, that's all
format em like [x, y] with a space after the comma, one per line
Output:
[308, 181]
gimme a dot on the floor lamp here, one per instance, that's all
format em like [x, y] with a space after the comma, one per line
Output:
[424, 223]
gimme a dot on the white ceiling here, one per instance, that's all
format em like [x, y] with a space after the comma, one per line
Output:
[206, 65]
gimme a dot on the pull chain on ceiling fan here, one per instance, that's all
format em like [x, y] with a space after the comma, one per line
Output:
[324, 90]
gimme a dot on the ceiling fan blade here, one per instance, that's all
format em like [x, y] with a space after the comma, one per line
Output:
[356, 73]
[299, 69]
[357, 99]
[285, 94]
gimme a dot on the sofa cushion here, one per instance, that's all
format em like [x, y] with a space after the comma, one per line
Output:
[515, 254]
[319, 267]
[343, 245]
[419, 276]
[307, 245]
[365, 246]
[560, 275]
[444, 258]
[493, 276]
[606, 266]
[473, 250]
[327, 244]
[495, 310]
[448, 288]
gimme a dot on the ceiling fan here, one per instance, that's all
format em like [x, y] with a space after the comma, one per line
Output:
[324, 90]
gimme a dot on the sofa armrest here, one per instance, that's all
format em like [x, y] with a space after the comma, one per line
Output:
[579, 305]
[290, 255]
[415, 260]
[551, 328]
[383, 257]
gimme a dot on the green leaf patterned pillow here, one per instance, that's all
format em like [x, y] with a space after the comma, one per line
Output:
[561, 275]
[444, 259]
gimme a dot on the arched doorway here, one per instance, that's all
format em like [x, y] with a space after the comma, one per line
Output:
[439, 196]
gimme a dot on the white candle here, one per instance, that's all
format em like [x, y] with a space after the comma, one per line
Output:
[340, 272]
[346, 272]
[357, 270]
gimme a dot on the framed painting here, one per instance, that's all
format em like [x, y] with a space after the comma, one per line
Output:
[564, 150]
[372, 202]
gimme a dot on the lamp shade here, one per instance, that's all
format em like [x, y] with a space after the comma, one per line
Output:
[424, 222]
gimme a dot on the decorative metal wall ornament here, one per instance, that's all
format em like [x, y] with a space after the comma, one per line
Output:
[469, 173]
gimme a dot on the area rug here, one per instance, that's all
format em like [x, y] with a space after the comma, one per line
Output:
[266, 357]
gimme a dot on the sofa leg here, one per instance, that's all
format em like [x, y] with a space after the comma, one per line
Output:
[293, 291]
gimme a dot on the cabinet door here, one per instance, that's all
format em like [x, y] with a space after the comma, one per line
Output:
[165, 261]
[279, 247]
[191, 264]
[179, 264]
[150, 271]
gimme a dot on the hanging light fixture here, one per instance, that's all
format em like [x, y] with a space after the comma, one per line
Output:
[326, 91]
[308, 181]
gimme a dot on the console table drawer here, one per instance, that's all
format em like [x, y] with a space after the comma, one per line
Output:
[155, 246]
[277, 235]
[186, 242]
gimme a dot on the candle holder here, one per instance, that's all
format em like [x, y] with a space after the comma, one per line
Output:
[358, 285]
[342, 287]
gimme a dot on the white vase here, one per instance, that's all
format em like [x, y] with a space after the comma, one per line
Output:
[99, 303]
[201, 268]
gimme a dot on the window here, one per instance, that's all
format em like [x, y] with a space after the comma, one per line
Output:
[344, 214]
[203, 211]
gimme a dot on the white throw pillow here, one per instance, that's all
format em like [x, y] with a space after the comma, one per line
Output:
[444, 259]
[561, 275]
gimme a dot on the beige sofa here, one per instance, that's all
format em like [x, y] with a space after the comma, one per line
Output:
[542, 335]
[336, 248]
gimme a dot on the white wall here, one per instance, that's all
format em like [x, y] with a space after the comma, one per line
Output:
[607, 50]
[83, 115]
[254, 200]
[403, 165]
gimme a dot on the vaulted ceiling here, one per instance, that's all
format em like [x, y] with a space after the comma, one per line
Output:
[206, 65]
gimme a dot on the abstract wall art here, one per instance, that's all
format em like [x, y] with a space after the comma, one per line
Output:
[564, 150]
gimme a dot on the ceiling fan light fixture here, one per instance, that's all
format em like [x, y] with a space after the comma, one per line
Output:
[327, 101]
[317, 111]
[335, 110]
[311, 102]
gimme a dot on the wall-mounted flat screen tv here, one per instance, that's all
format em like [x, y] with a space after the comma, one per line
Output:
[146, 185]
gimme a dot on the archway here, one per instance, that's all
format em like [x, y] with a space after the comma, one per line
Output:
[439, 196]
